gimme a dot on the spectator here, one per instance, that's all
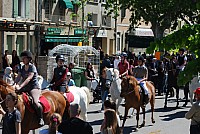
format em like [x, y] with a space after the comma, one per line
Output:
[130, 71]
[70, 82]
[11, 118]
[110, 125]
[75, 125]
[161, 74]
[104, 88]
[112, 105]
[101, 53]
[71, 66]
[55, 121]
[7, 77]
[5, 60]
[106, 62]
[15, 61]
[194, 114]
[89, 74]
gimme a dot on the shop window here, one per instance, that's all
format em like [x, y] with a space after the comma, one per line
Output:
[9, 43]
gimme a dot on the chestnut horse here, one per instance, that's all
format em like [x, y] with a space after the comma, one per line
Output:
[29, 119]
[131, 92]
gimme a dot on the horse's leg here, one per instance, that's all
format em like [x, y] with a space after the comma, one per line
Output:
[143, 112]
[118, 104]
[186, 92]
[152, 102]
[137, 118]
[125, 116]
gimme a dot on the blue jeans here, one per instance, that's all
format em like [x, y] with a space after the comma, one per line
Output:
[104, 95]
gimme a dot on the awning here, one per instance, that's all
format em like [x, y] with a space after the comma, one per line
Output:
[139, 41]
[142, 32]
[66, 4]
[63, 39]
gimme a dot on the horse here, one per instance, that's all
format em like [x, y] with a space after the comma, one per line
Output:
[113, 80]
[42, 82]
[193, 85]
[58, 104]
[81, 97]
[131, 92]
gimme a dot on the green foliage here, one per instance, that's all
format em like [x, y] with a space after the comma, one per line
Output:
[188, 37]
[112, 7]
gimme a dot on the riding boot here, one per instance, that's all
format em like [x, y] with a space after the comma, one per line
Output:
[40, 115]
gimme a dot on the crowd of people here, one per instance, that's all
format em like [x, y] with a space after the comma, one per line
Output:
[162, 72]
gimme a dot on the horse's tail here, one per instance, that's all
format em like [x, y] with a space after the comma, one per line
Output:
[87, 91]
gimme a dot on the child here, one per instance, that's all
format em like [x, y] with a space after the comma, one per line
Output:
[55, 121]
[7, 77]
[12, 117]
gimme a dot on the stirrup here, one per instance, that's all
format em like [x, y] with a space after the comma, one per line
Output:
[41, 122]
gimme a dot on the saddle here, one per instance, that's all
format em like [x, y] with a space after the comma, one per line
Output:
[144, 98]
[69, 96]
[28, 102]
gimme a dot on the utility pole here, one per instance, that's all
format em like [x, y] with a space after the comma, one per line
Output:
[83, 17]
[115, 30]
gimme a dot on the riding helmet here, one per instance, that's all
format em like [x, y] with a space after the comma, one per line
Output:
[141, 58]
[60, 57]
[124, 54]
[27, 54]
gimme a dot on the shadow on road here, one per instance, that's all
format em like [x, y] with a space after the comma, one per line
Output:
[169, 117]
[96, 122]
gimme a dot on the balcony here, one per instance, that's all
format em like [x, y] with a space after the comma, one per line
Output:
[55, 18]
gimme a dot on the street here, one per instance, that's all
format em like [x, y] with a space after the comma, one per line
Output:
[168, 121]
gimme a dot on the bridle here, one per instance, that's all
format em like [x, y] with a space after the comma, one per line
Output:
[128, 92]
[112, 76]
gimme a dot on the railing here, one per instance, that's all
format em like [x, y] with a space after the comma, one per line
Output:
[55, 18]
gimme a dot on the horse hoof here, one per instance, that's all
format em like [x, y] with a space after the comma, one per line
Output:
[136, 129]
[153, 121]
[142, 125]
[165, 106]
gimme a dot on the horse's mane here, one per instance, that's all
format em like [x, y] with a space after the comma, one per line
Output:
[3, 83]
[133, 80]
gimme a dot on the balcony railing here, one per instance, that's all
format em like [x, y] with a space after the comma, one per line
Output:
[55, 18]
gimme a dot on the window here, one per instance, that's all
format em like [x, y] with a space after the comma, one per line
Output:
[106, 20]
[103, 1]
[21, 8]
[118, 41]
[48, 7]
[123, 12]
[9, 43]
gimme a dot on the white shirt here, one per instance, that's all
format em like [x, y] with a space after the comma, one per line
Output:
[116, 62]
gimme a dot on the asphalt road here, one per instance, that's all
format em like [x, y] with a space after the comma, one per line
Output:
[168, 121]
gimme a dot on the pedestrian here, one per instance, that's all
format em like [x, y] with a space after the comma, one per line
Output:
[5, 59]
[7, 77]
[59, 80]
[104, 88]
[55, 121]
[15, 61]
[194, 114]
[106, 62]
[89, 74]
[30, 84]
[75, 125]
[123, 65]
[130, 71]
[116, 61]
[110, 125]
[12, 117]
[161, 75]
[70, 81]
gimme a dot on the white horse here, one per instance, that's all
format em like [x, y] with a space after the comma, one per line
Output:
[113, 80]
[194, 84]
[42, 82]
[81, 97]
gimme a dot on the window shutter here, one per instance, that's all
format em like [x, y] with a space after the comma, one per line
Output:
[27, 8]
[15, 8]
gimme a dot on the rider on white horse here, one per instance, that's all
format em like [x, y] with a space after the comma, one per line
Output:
[141, 73]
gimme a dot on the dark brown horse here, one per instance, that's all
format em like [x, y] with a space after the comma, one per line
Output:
[29, 119]
[131, 92]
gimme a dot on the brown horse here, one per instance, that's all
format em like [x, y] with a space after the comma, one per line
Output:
[131, 92]
[29, 119]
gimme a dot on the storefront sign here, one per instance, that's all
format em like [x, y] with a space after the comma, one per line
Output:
[79, 32]
[53, 31]
[102, 33]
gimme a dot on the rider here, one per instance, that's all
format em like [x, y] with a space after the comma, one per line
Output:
[29, 84]
[59, 77]
[140, 73]
[123, 65]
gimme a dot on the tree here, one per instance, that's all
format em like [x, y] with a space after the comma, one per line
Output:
[162, 14]
[188, 37]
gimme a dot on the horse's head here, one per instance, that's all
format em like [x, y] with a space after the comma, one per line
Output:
[128, 84]
[109, 76]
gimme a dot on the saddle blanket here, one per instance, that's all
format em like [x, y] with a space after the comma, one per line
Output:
[43, 101]
[69, 96]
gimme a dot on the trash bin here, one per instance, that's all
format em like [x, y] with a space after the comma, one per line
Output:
[76, 74]
[82, 75]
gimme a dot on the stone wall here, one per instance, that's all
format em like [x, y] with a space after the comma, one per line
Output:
[42, 66]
